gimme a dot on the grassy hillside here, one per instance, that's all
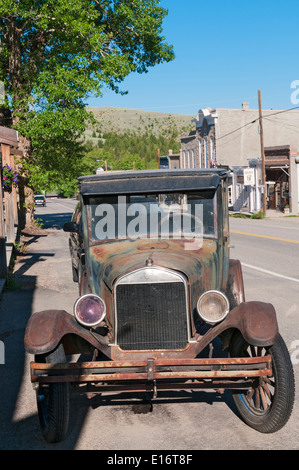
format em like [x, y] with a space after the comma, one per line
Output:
[120, 120]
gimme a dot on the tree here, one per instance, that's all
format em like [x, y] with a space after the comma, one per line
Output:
[131, 162]
[54, 54]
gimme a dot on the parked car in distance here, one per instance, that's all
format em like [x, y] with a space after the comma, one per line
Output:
[40, 200]
[158, 294]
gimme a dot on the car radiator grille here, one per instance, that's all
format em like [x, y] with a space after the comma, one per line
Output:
[151, 316]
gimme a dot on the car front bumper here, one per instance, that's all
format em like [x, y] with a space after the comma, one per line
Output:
[157, 374]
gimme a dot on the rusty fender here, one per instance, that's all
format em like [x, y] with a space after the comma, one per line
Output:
[255, 320]
[46, 329]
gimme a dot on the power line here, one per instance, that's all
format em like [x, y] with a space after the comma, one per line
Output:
[292, 127]
[238, 129]
[282, 111]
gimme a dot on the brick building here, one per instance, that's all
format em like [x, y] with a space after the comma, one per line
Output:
[198, 147]
[281, 165]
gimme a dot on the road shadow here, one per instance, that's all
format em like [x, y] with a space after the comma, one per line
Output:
[15, 311]
[20, 429]
[53, 221]
[143, 403]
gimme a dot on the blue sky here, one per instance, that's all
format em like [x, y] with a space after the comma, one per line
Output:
[225, 52]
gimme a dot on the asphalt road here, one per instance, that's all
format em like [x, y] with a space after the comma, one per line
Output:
[269, 252]
[180, 421]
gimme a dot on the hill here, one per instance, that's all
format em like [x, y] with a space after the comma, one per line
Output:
[121, 120]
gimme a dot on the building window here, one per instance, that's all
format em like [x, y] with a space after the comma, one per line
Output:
[206, 152]
[192, 159]
[212, 152]
[184, 159]
[200, 154]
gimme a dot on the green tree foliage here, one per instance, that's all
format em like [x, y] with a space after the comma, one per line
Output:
[129, 149]
[56, 53]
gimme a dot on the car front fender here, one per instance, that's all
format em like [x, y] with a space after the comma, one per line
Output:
[46, 329]
[256, 321]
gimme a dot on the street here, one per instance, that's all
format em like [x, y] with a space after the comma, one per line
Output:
[204, 420]
[271, 266]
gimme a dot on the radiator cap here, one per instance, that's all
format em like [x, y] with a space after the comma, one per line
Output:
[149, 261]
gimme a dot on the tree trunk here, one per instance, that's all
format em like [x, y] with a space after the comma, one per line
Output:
[20, 106]
[26, 193]
[5, 117]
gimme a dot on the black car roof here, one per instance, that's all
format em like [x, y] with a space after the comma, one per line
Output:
[127, 182]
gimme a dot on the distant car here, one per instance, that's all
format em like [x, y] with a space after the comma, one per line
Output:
[40, 200]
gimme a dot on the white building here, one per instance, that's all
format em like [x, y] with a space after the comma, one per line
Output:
[246, 190]
[230, 138]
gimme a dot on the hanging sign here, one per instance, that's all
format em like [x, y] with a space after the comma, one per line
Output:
[249, 176]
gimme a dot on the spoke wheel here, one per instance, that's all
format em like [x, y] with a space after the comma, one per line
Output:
[267, 406]
[53, 401]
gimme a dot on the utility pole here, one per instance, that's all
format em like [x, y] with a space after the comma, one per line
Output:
[262, 155]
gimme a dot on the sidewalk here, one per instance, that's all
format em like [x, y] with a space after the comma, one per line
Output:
[270, 214]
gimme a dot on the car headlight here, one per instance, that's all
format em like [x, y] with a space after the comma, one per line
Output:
[90, 310]
[212, 306]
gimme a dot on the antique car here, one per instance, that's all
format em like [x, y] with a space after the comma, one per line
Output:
[157, 291]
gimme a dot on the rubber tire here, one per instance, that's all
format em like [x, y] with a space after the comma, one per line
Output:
[282, 402]
[53, 401]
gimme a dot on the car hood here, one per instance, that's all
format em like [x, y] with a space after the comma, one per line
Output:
[109, 260]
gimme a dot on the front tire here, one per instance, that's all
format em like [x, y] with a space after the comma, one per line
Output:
[53, 401]
[268, 406]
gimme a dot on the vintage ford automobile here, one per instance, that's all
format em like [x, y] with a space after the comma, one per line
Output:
[150, 253]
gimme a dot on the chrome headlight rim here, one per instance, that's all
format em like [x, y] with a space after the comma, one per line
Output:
[89, 324]
[225, 311]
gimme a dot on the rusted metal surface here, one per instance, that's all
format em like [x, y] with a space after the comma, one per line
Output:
[112, 259]
[171, 374]
[235, 286]
[256, 321]
[157, 386]
[109, 260]
[46, 329]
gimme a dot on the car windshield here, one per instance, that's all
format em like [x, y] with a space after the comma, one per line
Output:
[39, 198]
[169, 215]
